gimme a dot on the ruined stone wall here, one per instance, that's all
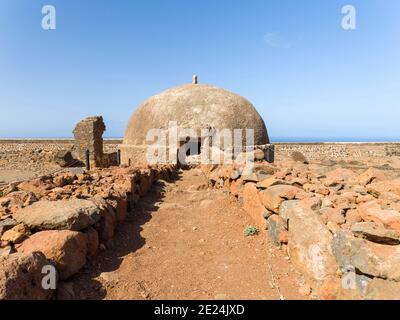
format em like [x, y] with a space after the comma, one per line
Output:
[39, 152]
[330, 220]
[329, 150]
[44, 150]
[63, 220]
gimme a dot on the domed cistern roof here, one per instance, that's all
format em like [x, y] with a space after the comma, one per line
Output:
[195, 106]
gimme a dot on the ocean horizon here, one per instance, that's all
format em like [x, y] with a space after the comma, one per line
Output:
[272, 139]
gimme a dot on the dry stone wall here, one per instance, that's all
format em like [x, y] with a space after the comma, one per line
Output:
[314, 151]
[63, 220]
[44, 150]
[339, 226]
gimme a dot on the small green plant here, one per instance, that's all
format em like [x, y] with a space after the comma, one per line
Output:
[250, 231]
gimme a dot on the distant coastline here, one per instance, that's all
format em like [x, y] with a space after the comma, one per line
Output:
[273, 140]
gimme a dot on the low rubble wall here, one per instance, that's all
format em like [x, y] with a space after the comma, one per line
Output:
[340, 227]
[63, 220]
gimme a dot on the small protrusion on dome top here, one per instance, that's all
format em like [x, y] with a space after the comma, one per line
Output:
[194, 79]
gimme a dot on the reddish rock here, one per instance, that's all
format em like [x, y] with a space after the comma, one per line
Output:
[276, 230]
[352, 216]
[275, 195]
[71, 214]
[379, 289]
[106, 226]
[310, 243]
[340, 175]
[236, 187]
[377, 188]
[252, 204]
[120, 206]
[66, 248]
[64, 179]
[334, 215]
[16, 234]
[372, 211]
[38, 187]
[371, 175]
[92, 241]
[369, 258]
[269, 182]
[21, 277]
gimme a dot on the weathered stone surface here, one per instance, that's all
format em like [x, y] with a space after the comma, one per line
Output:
[21, 277]
[269, 182]
[236, 187]
[340, 175]
[352, 216]
[88, 136]
[5, 251]
[310, 243]
[65, 291]
[16, 234]
[106, 226]
[38, 187]
[377, 188]
[371, 175]
[64, 179]
[285, 208]
[7, 224]
[92, 241]
[120, 205]
[370, 258]
[276, 230]
[66, 248]
[71, 214]
[372, 211]
[63, 158]
[275, 195]
[379, 289]
[252, 204]
[252, 177]
[376, 232]
[334, 215]
[299, 157]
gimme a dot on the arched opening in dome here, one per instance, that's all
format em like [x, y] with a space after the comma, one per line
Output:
[188, 147]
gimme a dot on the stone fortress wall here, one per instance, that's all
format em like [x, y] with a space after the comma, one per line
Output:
[14, 148]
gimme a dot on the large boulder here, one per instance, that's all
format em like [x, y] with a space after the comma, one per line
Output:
[72, 214]
[370, 258]
[66, 248]
[275, 195]
[21, 277]
[310, 242]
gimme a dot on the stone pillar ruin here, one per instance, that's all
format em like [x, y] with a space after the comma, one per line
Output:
[88, 135]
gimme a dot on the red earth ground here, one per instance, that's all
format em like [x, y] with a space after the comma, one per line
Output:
[186, 242]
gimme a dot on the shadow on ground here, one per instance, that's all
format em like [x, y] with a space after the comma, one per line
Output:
[127, 239]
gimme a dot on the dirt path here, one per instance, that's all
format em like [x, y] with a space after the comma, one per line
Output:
[187, 242]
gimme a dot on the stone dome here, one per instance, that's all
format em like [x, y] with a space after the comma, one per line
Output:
[196, 106]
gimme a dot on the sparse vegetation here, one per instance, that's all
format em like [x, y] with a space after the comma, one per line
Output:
[250, 231]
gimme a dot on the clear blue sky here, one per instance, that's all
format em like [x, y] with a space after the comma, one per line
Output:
[309, 78]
